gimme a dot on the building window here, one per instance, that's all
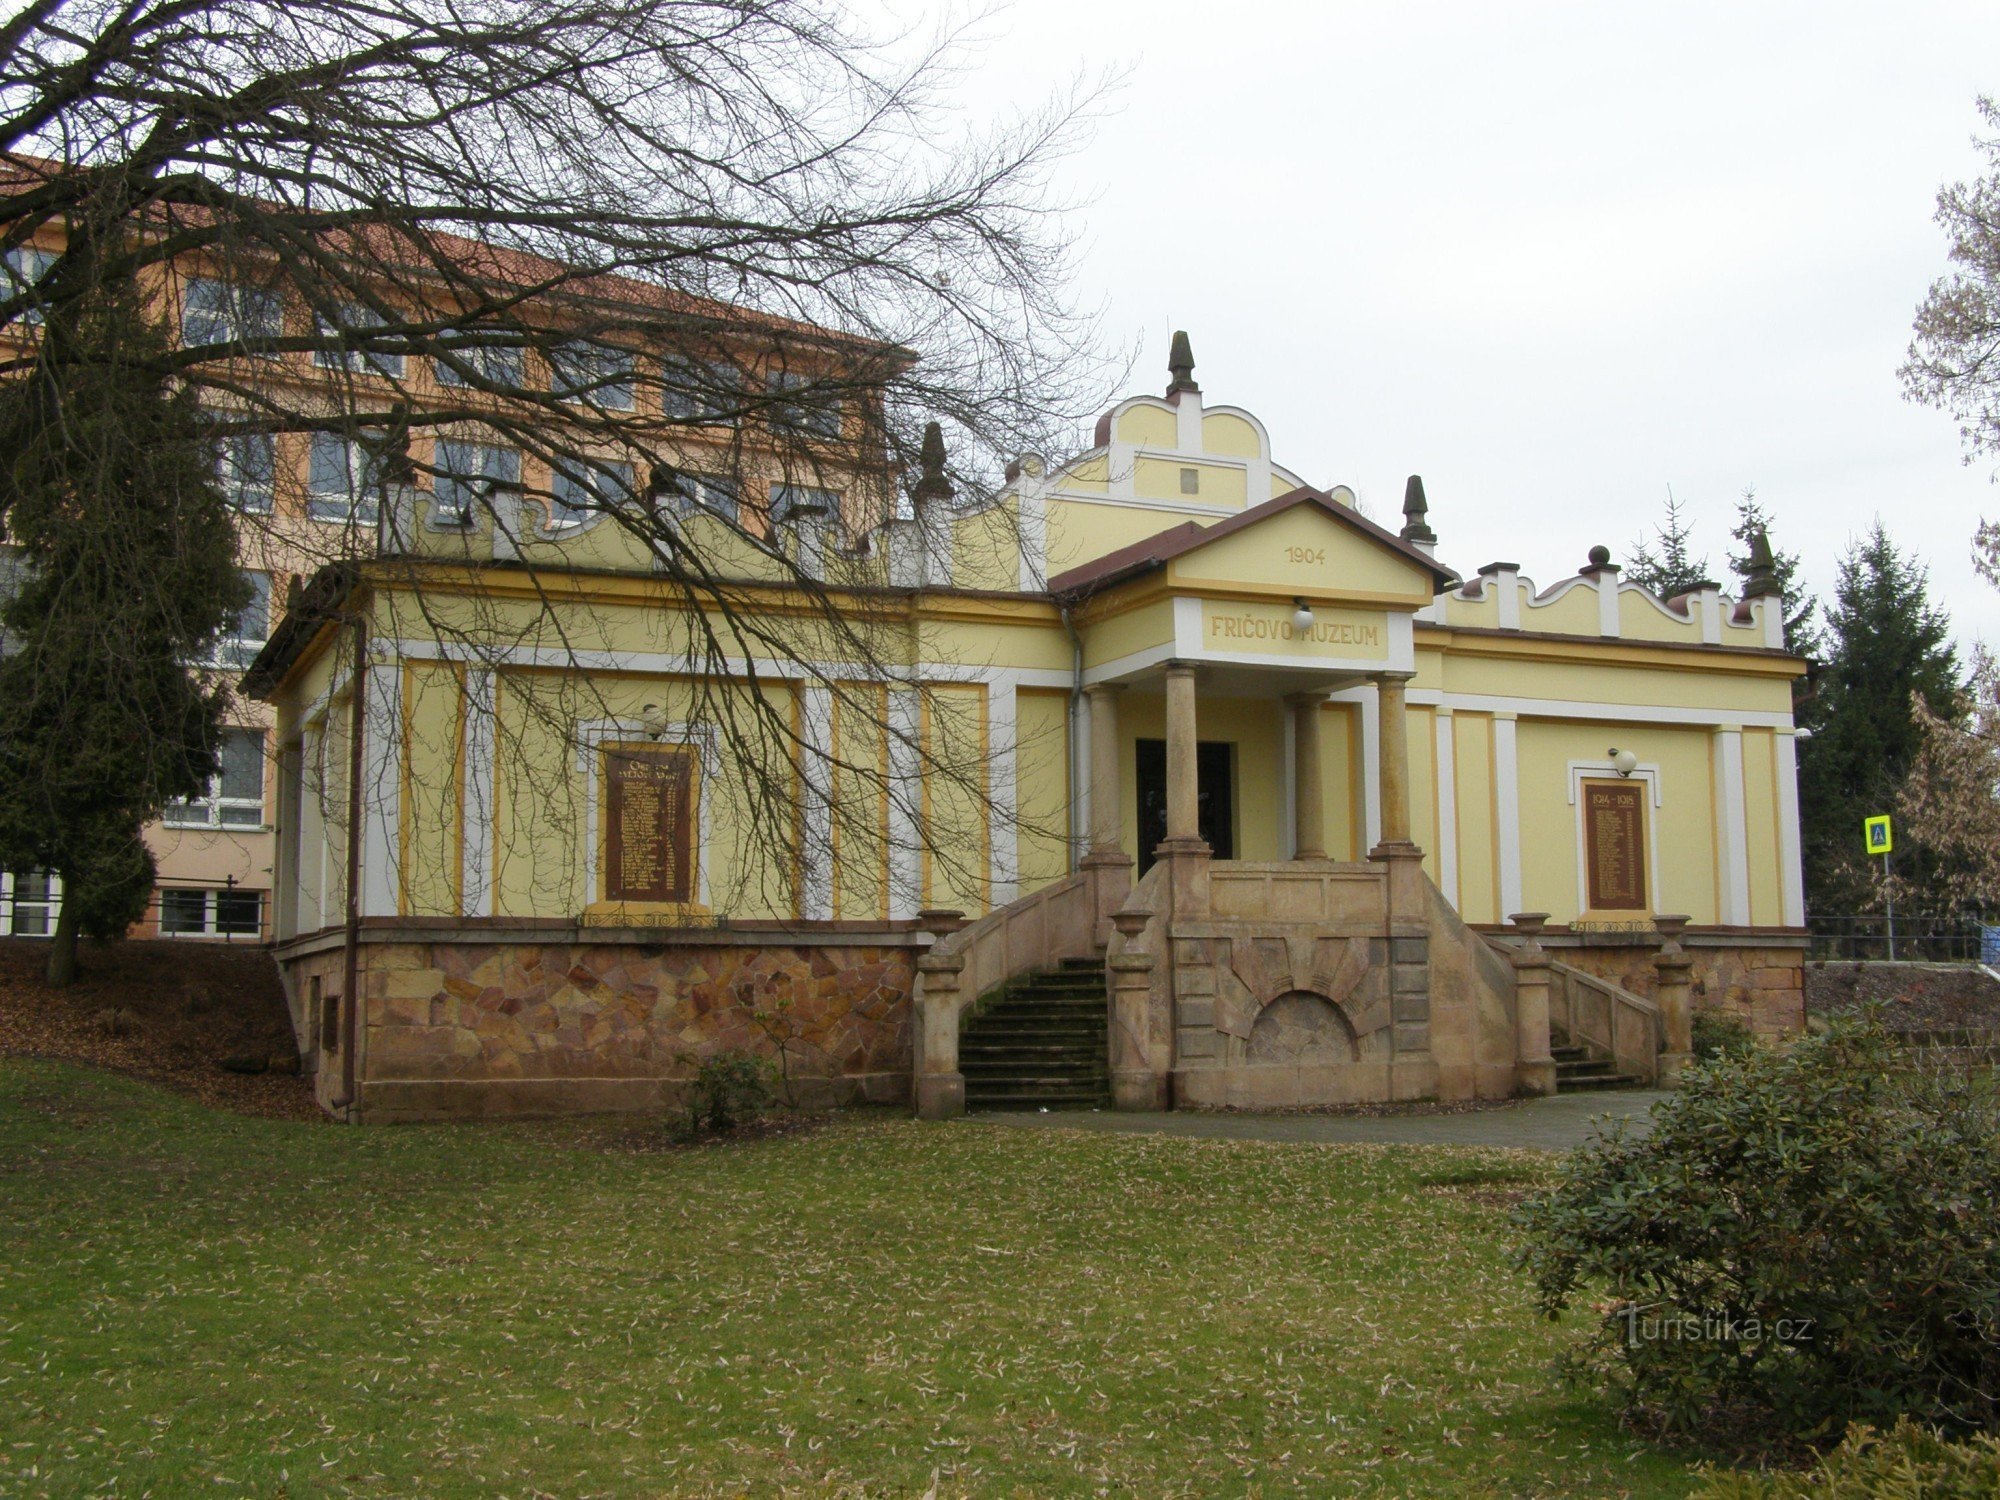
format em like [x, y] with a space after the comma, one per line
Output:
[599, 374]
[245, 635]
[467, 473]
[211, 913]
[246, 467]
[496, 364]
[705, 494]
[797, 407]
[235, 797]
[24, 269]
[28, 902]
[221, 312]
[341, 480]
[793, 502]
[356, 320]
[580, 489]
[1190, 481]
[709, 392]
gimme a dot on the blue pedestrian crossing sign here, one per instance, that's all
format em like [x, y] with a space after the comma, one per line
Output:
[1876, 835]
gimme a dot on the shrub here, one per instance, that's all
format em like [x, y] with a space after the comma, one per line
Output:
[1910, 1462]
[728, 1090]
[1721, 1033]
[1806, 1237]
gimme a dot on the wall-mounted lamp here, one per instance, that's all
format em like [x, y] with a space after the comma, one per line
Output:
[1302, 616]
[652, 722]
[1624, 762]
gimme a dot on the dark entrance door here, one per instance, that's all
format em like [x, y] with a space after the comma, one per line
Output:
[1215, 812]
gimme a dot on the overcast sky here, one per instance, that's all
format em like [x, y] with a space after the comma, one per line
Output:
[1553, 257]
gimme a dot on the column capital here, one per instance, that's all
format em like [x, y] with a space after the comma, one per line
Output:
[1178, 667]
[1307, 697]
[1395, 675]
[1103, 689]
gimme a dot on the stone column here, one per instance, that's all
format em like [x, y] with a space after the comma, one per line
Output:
[1106, 794]
[1105, 863]
[1534, 1065]
[1183, 784]
[940, 1086]
[1308, 789]
[1672, 964]
[1393, 731]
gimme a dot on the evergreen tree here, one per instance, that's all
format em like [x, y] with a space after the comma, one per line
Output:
[1885, 642]
[1802, 635]
[123, 576]
[1673, 569]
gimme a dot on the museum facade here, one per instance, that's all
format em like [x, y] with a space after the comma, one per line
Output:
[1157, 777]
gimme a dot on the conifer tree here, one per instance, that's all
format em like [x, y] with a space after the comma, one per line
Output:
[1674, 568]
[1885, 642]
[1802, 635]
[123, 578]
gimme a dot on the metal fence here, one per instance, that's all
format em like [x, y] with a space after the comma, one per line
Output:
[1965, 939]
[178, 908]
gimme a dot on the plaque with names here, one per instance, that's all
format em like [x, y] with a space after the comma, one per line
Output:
[648, 815]
[1614, 842]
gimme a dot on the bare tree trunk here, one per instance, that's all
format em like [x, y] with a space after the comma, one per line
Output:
[61, 971]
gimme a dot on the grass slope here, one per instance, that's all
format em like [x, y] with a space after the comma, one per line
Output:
[196, 1302]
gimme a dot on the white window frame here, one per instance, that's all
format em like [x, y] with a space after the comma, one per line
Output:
[815, 417]
[359, 500]
[10, 903]
[232, 325]
[24, 267]
[609, 484]
[207, 811]
[236, 651]
[700, 406]
[597, 364]
[210, 903]
[354, 317]
[705, 495]
[229, 469]
[501, 365]
[455, 492]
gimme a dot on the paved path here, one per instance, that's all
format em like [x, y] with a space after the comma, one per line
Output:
[1553, 1124]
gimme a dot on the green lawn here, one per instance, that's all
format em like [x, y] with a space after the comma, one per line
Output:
[201, 1303]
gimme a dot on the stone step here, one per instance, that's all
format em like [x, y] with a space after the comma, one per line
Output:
[1029, 1103]
[1040, 1084]
[1570, 1084]
[1041, 1015]
[1569, 1054]
[990, 1047]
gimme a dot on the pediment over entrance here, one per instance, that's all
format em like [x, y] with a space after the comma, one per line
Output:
[1303, 545]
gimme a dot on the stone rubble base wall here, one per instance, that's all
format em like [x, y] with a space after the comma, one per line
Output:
[465, 1030]
[1761, 981]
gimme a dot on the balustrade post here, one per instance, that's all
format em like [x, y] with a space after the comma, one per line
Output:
[1135, 1085]
[1534, 1066]
[1675, 998]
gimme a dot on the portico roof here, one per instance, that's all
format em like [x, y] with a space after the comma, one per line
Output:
[1154, 552]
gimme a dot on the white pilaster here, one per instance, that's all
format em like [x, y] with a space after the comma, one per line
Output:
[1002, 820]
[906, 880]
[381, 791]
[1371, 768]
[1732, 850]
[476, 808]
[1187, 427]
[1507, 811]
[1506, 585]
[1791, 866]
[816, 803]
[1607, 602]
[1447, 808]
[1288, 785]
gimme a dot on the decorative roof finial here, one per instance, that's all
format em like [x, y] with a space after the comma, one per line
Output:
[1415, 509]
[1763, 578]
[1180, 365]
[931, 483]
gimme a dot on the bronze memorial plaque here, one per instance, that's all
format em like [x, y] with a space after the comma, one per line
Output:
[1614, 838]
[648, 817]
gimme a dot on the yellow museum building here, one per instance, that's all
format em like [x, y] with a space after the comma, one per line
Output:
[1168, 780]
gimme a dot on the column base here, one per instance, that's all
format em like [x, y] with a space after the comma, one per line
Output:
[1535, 1077]
[1396, 849]
[940, 1096]
[1098, 859]
[1672, 1065]
[1138, 1089]
[1167, 848]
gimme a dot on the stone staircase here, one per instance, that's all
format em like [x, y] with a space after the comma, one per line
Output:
[1580, 1069]
[1043, 1043]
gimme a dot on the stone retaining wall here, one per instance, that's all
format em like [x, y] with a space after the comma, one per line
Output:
[1763, 983]
[466, 1028]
